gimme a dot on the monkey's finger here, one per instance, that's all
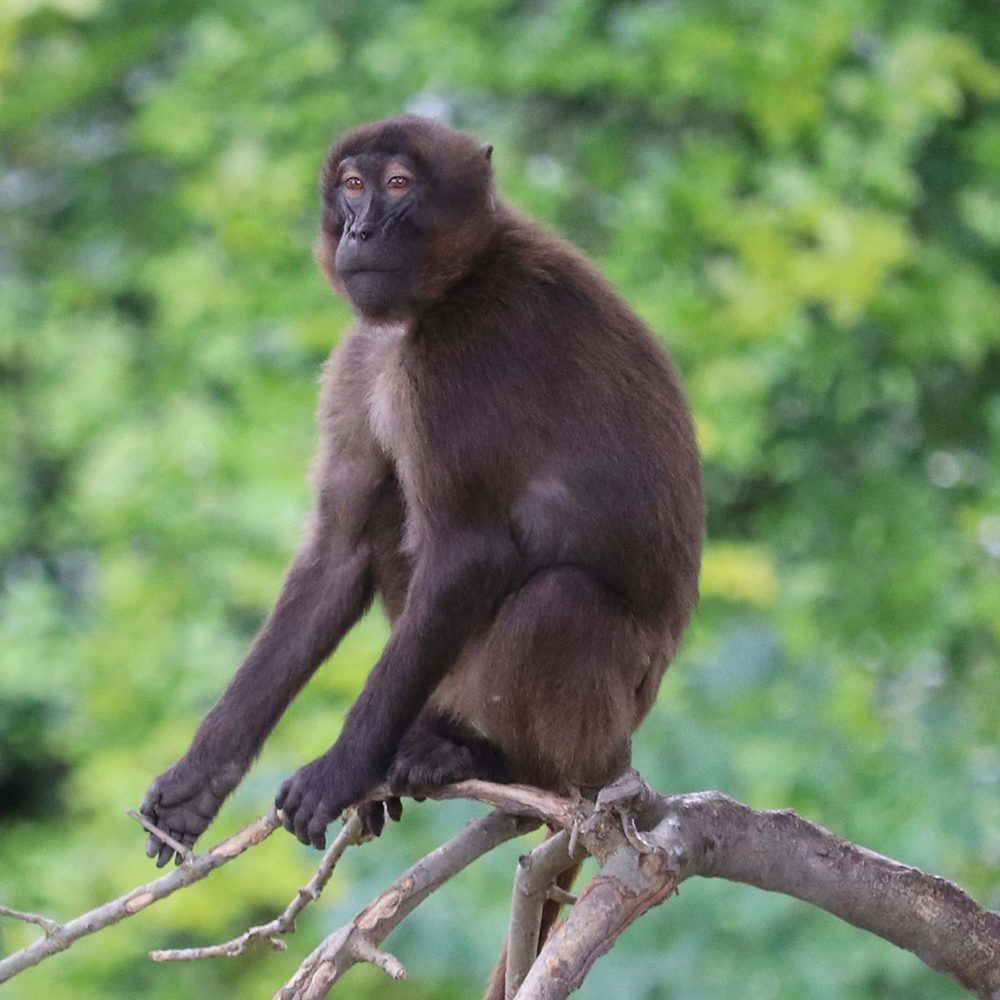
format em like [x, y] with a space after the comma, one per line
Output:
[288, 820]
[316, 831]
[288, 796]
[368, 812]
[177, 835]
[290, 812]
[183, 822]
[372, 817]
[394, 807]
[188, 841]
[153, 846]
[166, 853]
[279, 799]
[302, 818]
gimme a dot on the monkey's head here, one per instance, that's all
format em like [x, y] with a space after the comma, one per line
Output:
[407, 207]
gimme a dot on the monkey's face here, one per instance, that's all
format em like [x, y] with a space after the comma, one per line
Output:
[407, 206]
[378, 255]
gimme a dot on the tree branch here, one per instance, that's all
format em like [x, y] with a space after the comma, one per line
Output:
[284, 923]
[646, 845]
[359, 940]
[58, 937]
[535, 874]
[712, 835]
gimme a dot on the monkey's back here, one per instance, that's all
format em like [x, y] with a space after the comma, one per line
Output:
[546, 401]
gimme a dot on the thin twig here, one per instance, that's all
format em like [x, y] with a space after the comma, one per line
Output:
[137, 899]
[185, 853]
[284, 923]
[366, 951]
[49, 926]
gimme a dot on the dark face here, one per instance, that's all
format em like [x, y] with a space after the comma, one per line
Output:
[408, 206]
[378, 255]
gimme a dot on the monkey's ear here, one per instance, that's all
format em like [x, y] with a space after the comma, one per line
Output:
[487, 149]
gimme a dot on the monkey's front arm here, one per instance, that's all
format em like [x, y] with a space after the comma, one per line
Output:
[456, 586]
[326, 590]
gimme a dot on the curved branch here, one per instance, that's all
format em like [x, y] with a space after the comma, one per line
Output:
[712, 835]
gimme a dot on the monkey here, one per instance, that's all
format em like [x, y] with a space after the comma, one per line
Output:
[507, 459]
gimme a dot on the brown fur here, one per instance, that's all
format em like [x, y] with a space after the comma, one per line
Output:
[507, 459]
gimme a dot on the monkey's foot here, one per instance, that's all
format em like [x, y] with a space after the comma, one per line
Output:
[428, 759]
[374, 812]
[625, 799]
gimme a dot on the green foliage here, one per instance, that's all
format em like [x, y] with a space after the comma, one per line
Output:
[804, 199]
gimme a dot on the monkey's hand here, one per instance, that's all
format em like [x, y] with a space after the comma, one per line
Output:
[184, 800]
[313, 797]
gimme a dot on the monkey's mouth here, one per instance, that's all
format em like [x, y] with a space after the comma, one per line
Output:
[355, 270]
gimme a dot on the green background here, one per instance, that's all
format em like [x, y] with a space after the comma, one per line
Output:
[802, 199]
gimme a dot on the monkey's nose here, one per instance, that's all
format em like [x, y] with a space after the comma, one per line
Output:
[362, 231]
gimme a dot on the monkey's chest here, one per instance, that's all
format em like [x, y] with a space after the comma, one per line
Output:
[395, 421]
[391, 417]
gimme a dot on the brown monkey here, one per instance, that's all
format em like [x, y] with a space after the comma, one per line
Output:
[508, 460]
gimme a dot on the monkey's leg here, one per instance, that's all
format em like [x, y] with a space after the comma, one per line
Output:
[560, 681]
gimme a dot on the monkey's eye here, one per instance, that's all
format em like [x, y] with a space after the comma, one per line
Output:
[353, 183]
[398, 182]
